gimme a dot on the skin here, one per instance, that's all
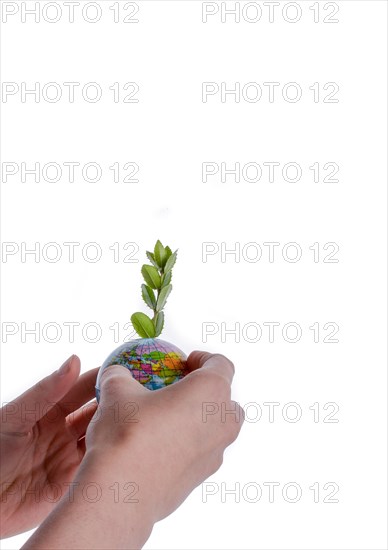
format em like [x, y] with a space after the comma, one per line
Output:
[145, 452]
[41, 449]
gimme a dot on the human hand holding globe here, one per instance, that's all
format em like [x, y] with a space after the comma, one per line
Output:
[108, 444]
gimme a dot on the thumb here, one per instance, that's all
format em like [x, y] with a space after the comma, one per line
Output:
[117, 384]
[24, 411]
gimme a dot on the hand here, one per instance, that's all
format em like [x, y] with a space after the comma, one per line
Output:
[168, 440]
[41, 445]
[158, 444]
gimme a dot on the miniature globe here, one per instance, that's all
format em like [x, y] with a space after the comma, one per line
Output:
[152, 362]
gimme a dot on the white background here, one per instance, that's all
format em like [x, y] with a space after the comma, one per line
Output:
[169, 133]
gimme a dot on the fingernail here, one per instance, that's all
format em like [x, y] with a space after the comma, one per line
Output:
[64, 369]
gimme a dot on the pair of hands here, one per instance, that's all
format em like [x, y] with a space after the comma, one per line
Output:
[52, 435]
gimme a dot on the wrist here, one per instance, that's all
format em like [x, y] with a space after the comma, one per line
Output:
[120, 489]
[104, 509]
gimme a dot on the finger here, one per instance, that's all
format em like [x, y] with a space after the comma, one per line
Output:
[78, 421]
[196, 359]
[118, 384]
[34, 403]
[211, 362]
[83, 391]
[81, 447]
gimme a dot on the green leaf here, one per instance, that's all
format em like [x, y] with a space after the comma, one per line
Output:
[170, 262]
[166, 278]
[164, 294]
[143, 325]
[148, 296]
[160, 254]
[159, 323]
[169, 251]
[151, 258]
[151, 276]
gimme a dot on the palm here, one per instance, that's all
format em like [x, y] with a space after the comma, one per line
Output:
[40, 462]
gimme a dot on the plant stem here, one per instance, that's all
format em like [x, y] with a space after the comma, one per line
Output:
[161, 273]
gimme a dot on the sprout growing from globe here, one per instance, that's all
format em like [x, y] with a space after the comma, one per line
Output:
[153, 362]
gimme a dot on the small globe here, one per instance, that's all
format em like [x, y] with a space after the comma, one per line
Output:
[152, 362]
